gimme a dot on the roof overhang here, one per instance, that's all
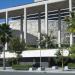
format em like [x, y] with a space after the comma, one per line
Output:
[43, 53]
[35, 8]
[35, 53]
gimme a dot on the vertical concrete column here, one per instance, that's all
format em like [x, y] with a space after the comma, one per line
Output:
[39, 34]
[6, 21]
[39, 29]
[59, 38]
[46, 18]
[25, 24]
[70, 10]
[21, 28]
[59, 29]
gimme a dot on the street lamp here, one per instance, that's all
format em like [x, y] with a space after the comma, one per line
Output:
[39, 46]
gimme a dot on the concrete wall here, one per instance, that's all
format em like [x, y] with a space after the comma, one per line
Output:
[32, 29]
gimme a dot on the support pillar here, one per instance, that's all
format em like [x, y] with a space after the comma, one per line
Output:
[46, 21]
[70, 10]
[5, 48]
[46, 18]
[39, 29]
[21, 28]
[6, 21]
[59, 29]
[59, 38]
[39, 35]
[25, 25]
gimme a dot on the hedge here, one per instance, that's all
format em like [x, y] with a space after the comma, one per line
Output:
[21, 67]
[71, 65]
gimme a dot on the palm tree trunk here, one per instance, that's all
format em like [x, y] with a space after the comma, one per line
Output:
[17, 59]
[12, 61]
[62, 64]
[46, 45]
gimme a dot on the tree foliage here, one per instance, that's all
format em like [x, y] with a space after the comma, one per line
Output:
[71, 28]
[47, 41]
[71, 22]
[5, 33]
[72, 52]
[5, 37]
[60, 57]
[17, 45]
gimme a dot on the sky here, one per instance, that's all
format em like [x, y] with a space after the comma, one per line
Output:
[10, 3]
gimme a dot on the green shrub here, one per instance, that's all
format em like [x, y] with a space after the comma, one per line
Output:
[65, 45]
[21, 67]
[71, 65]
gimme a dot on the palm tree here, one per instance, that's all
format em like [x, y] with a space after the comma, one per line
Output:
[17, 45]
[5, 34]
[60, 57]
[48, 41]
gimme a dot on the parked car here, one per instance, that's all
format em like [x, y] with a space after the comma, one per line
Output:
[36, 65]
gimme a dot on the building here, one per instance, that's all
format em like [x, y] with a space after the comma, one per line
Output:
[47, 15]
[42, 16]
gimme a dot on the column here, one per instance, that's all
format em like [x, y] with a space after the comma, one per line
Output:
[5, 48]
[39, 29]
[70, 10]
[6, 21]
[46, 18]
[59, 29]
[25, 24]
[39, 34]
[21, 28]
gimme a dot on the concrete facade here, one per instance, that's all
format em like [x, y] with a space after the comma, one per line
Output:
[32, 29]
[30, 20]
[40, 17]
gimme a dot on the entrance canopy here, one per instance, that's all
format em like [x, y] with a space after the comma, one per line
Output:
[35, 53]
[43, 53]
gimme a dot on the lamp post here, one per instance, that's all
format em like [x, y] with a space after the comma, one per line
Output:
[61, 51]
[39, 47]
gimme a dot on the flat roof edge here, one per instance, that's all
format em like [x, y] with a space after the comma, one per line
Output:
[28, 5]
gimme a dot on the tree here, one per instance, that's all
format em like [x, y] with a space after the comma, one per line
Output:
[60, 57]
[17, 45]
[71, 22]
[72, 52]
[5, 35]
[47, 41]
[71, 28]
[1, 49]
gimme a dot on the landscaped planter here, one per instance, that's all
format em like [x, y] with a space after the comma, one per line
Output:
[21, 67]
[71, 66]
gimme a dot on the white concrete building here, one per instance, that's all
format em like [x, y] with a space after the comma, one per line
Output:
[42, 16]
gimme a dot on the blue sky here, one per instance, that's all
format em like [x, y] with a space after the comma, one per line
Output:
[11, 3]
